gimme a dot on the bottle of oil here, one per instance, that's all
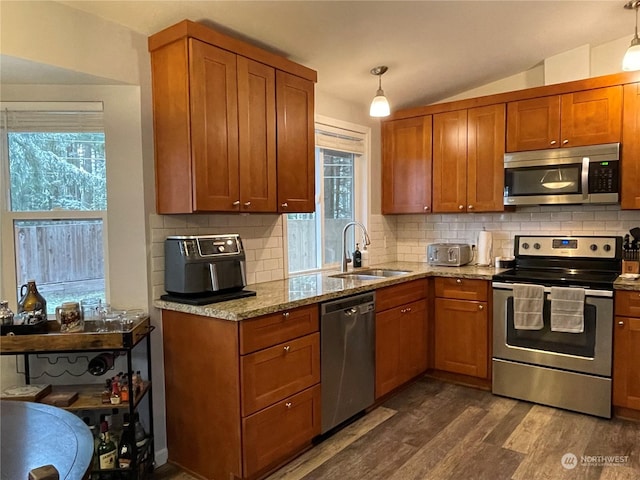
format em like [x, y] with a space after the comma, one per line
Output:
[357, 257]
[32, 302]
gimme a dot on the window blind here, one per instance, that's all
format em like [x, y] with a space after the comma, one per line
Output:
[53, 117]
[339, 139]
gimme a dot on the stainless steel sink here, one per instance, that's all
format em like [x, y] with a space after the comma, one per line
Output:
[371, 273]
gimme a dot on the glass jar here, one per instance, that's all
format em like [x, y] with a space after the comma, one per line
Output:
[6, 315]
[32, 303]
[70, 317]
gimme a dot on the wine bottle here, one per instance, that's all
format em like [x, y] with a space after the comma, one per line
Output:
[125, 450]
[140, 434]
[107, 452]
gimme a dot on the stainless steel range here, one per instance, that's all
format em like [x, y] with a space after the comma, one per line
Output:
[553, 322]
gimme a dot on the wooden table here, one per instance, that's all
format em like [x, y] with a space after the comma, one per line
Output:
[34, 435]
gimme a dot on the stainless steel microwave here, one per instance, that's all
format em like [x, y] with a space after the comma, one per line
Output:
[563, 176]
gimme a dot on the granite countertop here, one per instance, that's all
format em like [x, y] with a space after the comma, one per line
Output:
[307, 289]
[302, 290]
[627, 284]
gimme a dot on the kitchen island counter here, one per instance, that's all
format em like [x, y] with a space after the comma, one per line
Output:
[307, 289]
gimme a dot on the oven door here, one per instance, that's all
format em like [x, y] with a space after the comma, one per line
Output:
[587, 352]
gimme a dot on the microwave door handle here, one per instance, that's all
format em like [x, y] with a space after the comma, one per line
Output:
[585, 178]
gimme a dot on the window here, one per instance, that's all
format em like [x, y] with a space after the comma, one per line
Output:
[54, 206]
[314, 240]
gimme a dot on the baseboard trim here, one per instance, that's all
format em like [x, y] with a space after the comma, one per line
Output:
[161, 456]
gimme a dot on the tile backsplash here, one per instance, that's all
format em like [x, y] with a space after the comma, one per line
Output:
[261, 236]
[393, 237]
[415, 232]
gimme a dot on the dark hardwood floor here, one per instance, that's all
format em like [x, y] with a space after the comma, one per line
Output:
[436, 430]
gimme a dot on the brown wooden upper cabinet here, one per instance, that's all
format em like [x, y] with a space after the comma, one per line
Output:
[630, 178]
[406, 165]
[468, 160]
[588, 117]
[231, 124]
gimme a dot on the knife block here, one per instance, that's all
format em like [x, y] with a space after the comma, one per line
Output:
[630, 266]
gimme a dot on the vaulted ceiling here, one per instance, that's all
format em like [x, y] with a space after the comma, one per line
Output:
[434, 49]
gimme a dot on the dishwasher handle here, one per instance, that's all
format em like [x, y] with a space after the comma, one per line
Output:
[363, 303]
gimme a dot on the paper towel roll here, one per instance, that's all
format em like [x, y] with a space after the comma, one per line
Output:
[485, 243]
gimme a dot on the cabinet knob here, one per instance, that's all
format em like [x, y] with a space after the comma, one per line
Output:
[426, 208]
[246, 204]
[288, 404]
[458, 281]
[285, 314]
[460, 207]
[236, 203]
[469, 207]
[287, 348]
[403, 310]
[621, 323]
[284, 205]
[564, 142]
[409, 309]
[552, 142]
[480, 307]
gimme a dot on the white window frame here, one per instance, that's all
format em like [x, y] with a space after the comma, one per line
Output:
[8, 279]
[362, 174]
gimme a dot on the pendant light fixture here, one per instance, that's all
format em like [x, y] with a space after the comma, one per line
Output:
[380, 104]
[631, 60]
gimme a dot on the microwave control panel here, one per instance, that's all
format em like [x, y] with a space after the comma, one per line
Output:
[603, 177]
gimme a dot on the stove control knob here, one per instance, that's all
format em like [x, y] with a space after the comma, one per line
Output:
[536, 246]
[525, 245]
[221, 248]
[607, 247]
[593, 247]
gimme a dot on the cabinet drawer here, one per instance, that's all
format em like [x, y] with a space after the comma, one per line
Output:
[279, 431]
[628, 303]
[462, 288]
[275, 373]
[396, 295]
[263, 332]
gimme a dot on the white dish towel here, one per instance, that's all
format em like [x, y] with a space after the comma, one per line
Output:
[567, 309]
[528, 300]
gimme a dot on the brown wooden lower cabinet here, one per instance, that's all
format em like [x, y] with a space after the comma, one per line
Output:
[273, 433]
[401, 335]
[461, 322]
[237, 416]
[626, 350]
[461, 332]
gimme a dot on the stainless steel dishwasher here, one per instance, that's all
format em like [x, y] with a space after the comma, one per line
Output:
[347, 338]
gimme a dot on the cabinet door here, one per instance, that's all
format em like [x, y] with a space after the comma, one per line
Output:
[461, 337]
[450, 162]
[485, 158]
[274, 373]
[406, 165]
[257, 136]
[533, 124]
[414, 339]
[626, 358]
[388, 351]
[630, 178]
[214, 127]
[278, 432]
[401, 345]
[591, 117]
[296, 144]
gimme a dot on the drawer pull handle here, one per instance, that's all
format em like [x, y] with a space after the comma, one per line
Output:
[552, 142]
[287, 348]
[621, 323]
[409, 309]
[236, 203]
[285, 314]
[288, 404]
[246, 204]
[564, 142]
[458, 281]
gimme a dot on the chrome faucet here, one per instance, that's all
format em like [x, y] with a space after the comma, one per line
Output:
[366, 240]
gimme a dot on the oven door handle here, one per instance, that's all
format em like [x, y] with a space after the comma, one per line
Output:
[588, 292]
